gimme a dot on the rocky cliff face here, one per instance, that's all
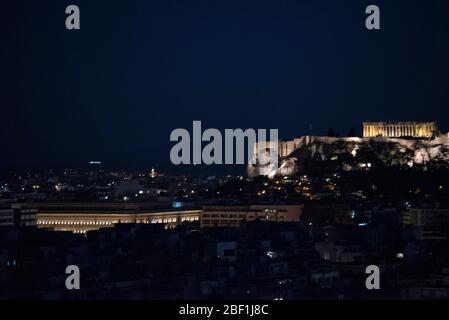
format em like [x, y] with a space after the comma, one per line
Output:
[358, 154]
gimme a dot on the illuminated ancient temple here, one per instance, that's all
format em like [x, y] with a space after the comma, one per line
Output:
[399, 129]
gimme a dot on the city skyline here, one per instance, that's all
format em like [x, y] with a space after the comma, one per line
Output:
[229, 156]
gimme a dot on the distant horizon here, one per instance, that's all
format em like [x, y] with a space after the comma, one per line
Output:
[166, 167]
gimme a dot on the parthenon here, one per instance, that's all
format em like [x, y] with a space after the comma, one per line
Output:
[399, 129]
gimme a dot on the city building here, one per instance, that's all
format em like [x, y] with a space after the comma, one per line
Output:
[83, 217]
[339, 251]
[16, 214]
[433, 223]
[399, 129]
[6, 215]
[232, 216]
[24, 216]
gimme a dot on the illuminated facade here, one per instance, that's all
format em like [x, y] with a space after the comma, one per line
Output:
[399, 129]
[232, 216]
[83, 217]
[81, 222]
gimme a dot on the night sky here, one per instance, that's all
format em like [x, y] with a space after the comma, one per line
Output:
[114, 90]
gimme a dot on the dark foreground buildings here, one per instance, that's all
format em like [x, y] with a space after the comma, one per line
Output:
[256, 260]
[299, 237]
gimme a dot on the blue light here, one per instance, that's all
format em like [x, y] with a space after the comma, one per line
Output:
[177, 204]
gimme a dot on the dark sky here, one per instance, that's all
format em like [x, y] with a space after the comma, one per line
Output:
[136, 70]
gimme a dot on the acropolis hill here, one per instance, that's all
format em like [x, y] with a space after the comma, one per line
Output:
[384, 144]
